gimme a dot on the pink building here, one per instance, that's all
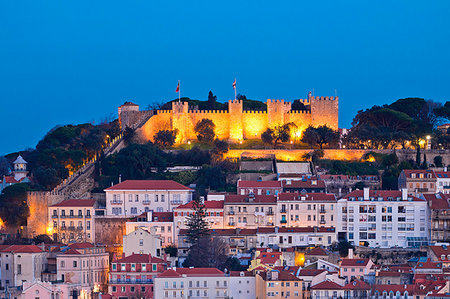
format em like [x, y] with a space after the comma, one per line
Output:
[259, 187]
[133, 276]
[355, 268]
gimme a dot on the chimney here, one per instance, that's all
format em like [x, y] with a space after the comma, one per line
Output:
[274, 275]
[404, 194]
[120, 178]
[340, 191]
[276, 229]
[366, 193]
[445, 168]
[350, 253]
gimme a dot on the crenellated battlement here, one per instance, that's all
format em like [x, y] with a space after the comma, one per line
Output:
[164, 111]
[299, 112]
[208, 111]
[235, 101]
[254, 112]
[325, 98]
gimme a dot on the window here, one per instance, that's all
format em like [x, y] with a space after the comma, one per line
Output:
[123, 289]
[136, 198]
[156, 198]
[19, 269]
[133, 267]
[88, 225]
[114, 266]
[122, 267]
[74, 264]
[162, 198]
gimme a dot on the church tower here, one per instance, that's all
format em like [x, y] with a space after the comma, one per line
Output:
[20, 168]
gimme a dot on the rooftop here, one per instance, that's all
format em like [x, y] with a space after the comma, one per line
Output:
[75, 203]
[148, 185]
[211, 204]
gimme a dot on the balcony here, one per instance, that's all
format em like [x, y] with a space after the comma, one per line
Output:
[269, 224]
[283, 211]
[146, 202]
[116, 202]
[322, 221]
[54, 216]
[131, 281]
[79, 228]
[174, 202]
[88, 216]
[63, 228]
[322, 211]
[71, 227]
[422, 190]
[230, 212]
[283, 221]
[269, 213]
[64, 216]
[231, 223]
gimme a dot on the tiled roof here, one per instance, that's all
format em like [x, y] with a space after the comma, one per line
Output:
[162, 216]
[307, 183]
[354, 262]
[428, 264]
[170, 274]
[227, 231]
[307, 197]
[326, 285]
[376, 194]
[148, 185]
[310, 272]
[21, 249]
[441, 250]
[81, 245]
[318, 251]
[394, 288]
[244, 273]
[356, 285]
[200, 272]
[139, 259]
[408, 172]
[442, 174]
[72, 251]
[75, 203]
[438, 201]
[388, 273]
[259, 184]
[271, 230]
[260, 199]
[209, 204]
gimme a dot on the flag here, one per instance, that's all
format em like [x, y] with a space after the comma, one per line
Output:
[178, 87]
[234, 84]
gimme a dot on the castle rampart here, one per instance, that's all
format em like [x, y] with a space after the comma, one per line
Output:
[237, 124]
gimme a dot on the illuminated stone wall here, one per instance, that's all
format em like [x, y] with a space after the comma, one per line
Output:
[38, 203]
[237, 124]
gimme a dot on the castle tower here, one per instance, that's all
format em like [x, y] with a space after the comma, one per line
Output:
[20, 168]
[325, 111]
[276, 112]
[180, 116]
[235, 108]
[126, 113]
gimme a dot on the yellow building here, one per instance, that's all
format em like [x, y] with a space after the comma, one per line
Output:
[278, 284]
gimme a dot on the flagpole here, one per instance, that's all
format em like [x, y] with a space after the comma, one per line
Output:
[235, 87]
[179, 91]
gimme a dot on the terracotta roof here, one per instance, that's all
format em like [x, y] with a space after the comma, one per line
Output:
[310, 272]
[71, 251]
[428, 264]
[271, 230]
[389, 273]
[259, 184]
[75, 203]
[282, 276]
[169, 273]
[307, 197]
[260, 199]
[354, 262]
[438, 201]
[209, 204]
[318, 251]
[21, 249]
[81, 245]
[162, 216]
[238, 273]
[408, 172]
[385, 194]
[148, 185]
[200, 272]
[307, 183]
[326, 285]
[441, 250]
[356, 285]
[442, 174]
[226, 232]
[128, 104]
[139, 259]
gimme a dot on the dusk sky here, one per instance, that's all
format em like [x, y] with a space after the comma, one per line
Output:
[70, 62]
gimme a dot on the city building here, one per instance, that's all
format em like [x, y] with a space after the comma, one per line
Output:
[250, 211]
[259, 187]
[327, 289]
[214, 214]
[383, 218]
[306, 209]
[83, 264]
[18, 175]
[340, 184]
[357, 289]
[440, 253]
[134, 197]
[162, 222]
[439, 208]
[442, 181]
[21, 263]
[304, 185]
[353, 268]
[278, 284]
[417, 181]
[133, 276]
[142, 241]
[204, 283]
[72, 221]
[287, 237]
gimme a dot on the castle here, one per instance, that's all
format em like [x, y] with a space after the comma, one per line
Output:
[236, 124]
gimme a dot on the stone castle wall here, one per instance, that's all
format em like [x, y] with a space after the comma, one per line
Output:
[237, 124]
[38, 203]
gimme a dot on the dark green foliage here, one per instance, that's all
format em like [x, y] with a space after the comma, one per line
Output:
[5, 166]
[212, 178]
[343, 247]
[297, 105]
[282, 133]
[443, 111]
[165, 138]
[438, 161]
[220, 148]
[197, 226]
[171, 250]
[348, 168]
[418, 156]
[359, 185]
[212, 99]
[13, 205]
[205, 130]
[232, 264]
[47, 177]
[267, 137]
[320, 136]
[193, 157]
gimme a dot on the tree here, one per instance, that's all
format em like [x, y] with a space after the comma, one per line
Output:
[267, 137]
[310, 136]
[205, 130]
[5, 167]
[14, 209]
[438, 161]
[282, 133]
[320, 136]
[165, 138]
[212, 99]
[220, 148]
[197, 226]
[171, 250]
[297, 105]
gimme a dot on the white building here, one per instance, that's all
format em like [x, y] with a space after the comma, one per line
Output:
[383, 218]
[161, 222]
[204, 283]
[20, 263]
[72, 221]
[287, 237]
[142, 241]
[442, 181]
[134, 197]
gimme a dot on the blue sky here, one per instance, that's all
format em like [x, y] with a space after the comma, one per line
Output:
[65, 62]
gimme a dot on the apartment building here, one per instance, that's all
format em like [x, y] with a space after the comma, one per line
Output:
[442, 181]
[21, 263]
[134, 197]
[353, 268]
[305, 185]
[142, 241]
[259, 187]
[133, 276]
[83, 264]
[204, 283]
[306, 209]
[383, 218]
[72, 220]
[278, 284]
[417, 181]
[161, 222]
[213, 209]
[439, 208]
[287, 237]
[250, 211]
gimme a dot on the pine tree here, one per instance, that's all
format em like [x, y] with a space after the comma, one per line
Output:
[198, 227]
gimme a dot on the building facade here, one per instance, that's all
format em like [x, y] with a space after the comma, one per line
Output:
[161, 222]
[417, 181]
[142, 241]
[250, 211]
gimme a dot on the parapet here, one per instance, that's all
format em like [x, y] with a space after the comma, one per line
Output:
[325, 98]
[235, 101]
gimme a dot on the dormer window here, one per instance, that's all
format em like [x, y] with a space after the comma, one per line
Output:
[413, 175]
